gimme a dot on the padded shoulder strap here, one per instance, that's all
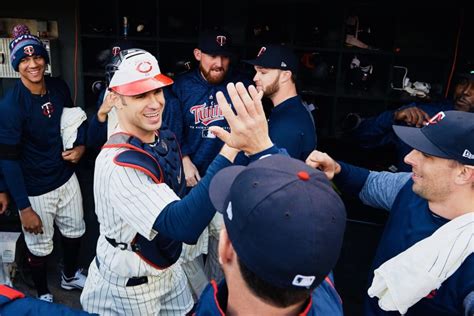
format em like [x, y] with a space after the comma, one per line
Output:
[135, 157]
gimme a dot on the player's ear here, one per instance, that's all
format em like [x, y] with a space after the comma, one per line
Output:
[197, 54]
[285, 75]
[465, 175]
[115, 98]
[226, 250]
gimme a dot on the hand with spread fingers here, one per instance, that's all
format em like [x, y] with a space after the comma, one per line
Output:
[248, 125]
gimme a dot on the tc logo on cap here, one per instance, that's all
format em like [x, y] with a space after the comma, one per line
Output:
[261, 51]
[144, 67]
[221, 40]
[115, 50]
[436, 118]
[29, 50]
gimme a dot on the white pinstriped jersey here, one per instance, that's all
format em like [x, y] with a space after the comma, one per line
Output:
[127, 202]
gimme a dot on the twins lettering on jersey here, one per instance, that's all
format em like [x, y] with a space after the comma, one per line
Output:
[206, 114]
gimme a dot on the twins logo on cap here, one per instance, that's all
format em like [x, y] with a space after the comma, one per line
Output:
[115, 50]
[29, 50]
[221, 40]
[436, 118]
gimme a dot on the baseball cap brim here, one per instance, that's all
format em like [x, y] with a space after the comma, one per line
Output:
[414, 137]
[256, 62]
[144, 85]
[467, 75]
[220, 186]
[225, 53]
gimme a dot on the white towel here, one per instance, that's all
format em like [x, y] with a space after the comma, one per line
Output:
[71, 119]
[405, 279]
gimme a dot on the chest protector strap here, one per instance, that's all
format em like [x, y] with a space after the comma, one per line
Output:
[161, 252]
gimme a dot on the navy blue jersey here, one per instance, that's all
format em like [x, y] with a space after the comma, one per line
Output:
[377, 131]
[14, 303]
[324, 300]
[409, 222]
[200, 111]
[32, 123]
[291, 127]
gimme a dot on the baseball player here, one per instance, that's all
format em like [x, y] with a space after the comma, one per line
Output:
[39, 173]
[284, 273]
[196, 91]
[290, 124]
[437, 193]
[143, 223]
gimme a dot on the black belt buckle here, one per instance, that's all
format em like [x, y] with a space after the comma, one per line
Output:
[137, 281]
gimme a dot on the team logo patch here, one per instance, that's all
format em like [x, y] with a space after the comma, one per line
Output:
[48, 109]
[436, 118]
[29, 50]
[144, 67]
[221, 40]
[115, 50]
[261, 51]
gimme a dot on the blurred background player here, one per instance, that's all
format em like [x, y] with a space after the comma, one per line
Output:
[377, 131]
[196, 92]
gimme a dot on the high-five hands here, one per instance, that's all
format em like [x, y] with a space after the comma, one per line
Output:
[248, 125]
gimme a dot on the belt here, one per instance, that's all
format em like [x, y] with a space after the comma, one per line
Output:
[134, 281]
[121, 245]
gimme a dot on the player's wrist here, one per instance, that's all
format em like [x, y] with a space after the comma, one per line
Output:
[259, 147]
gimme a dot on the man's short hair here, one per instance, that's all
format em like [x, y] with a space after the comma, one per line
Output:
[275, 296]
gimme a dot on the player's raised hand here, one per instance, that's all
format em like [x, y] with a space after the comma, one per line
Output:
[105, 107]
[324, 162]
[31, 221]
[248, 125]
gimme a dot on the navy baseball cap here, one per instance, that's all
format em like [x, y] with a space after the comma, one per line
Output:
[215, 42]
[285, 221]
[447, 135]
[466, 71]
[276, 57]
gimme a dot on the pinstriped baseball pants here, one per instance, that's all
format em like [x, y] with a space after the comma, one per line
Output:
[62, 206]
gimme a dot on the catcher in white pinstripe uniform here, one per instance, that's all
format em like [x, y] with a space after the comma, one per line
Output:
[142, 220]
